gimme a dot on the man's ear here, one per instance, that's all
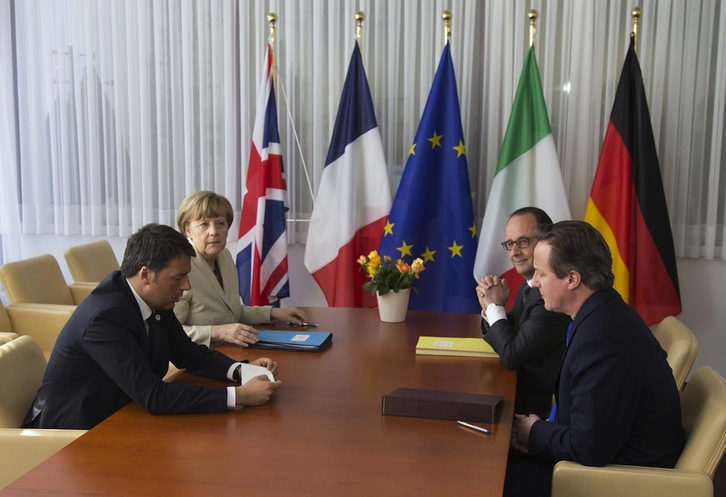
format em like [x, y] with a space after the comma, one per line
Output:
[144, 275]
[574, 279]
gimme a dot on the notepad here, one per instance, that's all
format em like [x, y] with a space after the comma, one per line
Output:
[249, 371]
[454, 346]
[293, 340]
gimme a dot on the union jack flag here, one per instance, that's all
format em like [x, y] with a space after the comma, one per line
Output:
[262, 244]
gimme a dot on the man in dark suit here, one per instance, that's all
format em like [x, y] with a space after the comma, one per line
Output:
[117, 345]
[616, 398]
[529, 339]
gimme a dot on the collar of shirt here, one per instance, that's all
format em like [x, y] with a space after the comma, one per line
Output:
[143, 306]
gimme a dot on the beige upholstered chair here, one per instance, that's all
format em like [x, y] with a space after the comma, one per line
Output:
[680, 344]
[39, 280]
[703, 404]
[40, 299]
[5, 326]
[91, 261]
[22, 365]
[6, 329]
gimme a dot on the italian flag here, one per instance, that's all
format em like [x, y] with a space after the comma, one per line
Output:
[528, 174]
[627, 204]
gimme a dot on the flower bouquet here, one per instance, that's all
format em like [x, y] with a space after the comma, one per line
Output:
[389, 276]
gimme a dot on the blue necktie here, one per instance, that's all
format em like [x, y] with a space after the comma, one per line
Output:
[553, 412]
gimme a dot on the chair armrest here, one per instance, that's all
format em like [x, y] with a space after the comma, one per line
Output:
[21, 450]
[81, 290]
[6, 336]
[570, 479]
[41, 321]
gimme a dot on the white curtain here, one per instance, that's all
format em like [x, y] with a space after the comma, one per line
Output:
[114, 110]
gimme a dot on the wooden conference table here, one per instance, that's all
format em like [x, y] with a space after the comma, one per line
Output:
[322, 434]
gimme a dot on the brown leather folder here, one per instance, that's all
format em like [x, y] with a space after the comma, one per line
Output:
[442, 405]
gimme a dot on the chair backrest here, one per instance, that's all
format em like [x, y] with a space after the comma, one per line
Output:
[22, 365]
[5, 326]
[91, 261]
[703, 407]
[37, 280]
[681, 346]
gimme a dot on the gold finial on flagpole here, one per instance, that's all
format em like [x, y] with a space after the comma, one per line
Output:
[446, 16]
[532, 15]
[636, 13]
[359, 17]
[272, 19]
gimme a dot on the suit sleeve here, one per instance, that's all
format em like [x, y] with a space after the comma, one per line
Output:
[540, 333]
[112, 341]
[603, 400]
[256, 315]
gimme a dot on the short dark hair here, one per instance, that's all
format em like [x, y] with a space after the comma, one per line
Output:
[577, 246]
[154, 246]
[540, 216]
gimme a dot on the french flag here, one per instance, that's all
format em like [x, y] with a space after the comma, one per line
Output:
[353, 198]
[262, 244]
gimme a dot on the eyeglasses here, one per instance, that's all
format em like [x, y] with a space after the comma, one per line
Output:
[522, 243]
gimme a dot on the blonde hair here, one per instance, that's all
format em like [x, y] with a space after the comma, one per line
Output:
[201, 205]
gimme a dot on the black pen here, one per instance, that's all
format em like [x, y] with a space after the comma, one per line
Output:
[309, 325]
[475, 427]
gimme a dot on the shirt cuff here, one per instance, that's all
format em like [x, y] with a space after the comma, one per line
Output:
[232, 399]
[494, 313]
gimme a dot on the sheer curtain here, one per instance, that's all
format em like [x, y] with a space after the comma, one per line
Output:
[113, 111]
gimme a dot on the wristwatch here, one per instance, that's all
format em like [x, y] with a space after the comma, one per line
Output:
[236, 375]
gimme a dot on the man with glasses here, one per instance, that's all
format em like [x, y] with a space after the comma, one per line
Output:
[528, 339]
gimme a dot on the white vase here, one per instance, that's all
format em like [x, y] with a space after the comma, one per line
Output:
[392, 307]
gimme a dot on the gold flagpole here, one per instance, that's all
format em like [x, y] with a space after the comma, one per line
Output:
[272, 20]
[532, 15]
[636, 13]
[446, 16]
[359, 18]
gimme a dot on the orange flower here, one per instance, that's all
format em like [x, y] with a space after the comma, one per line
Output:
[402, 266]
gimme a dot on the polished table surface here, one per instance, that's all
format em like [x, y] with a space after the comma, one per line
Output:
[321, 434]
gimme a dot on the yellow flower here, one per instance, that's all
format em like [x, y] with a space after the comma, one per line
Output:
[417, 266]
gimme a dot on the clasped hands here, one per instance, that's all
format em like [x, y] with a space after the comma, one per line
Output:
[521, 426]
[492, 290]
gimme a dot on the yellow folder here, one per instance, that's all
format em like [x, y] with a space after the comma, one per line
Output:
[466, 347]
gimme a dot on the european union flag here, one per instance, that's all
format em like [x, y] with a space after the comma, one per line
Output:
[432, 215]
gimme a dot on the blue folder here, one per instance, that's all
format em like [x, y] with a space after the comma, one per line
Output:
[310, 341]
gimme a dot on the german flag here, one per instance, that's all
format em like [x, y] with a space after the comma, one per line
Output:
[627, 204]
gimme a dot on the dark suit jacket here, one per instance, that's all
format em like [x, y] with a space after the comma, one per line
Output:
[103, 359]
[617, 401]
[531, 341]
